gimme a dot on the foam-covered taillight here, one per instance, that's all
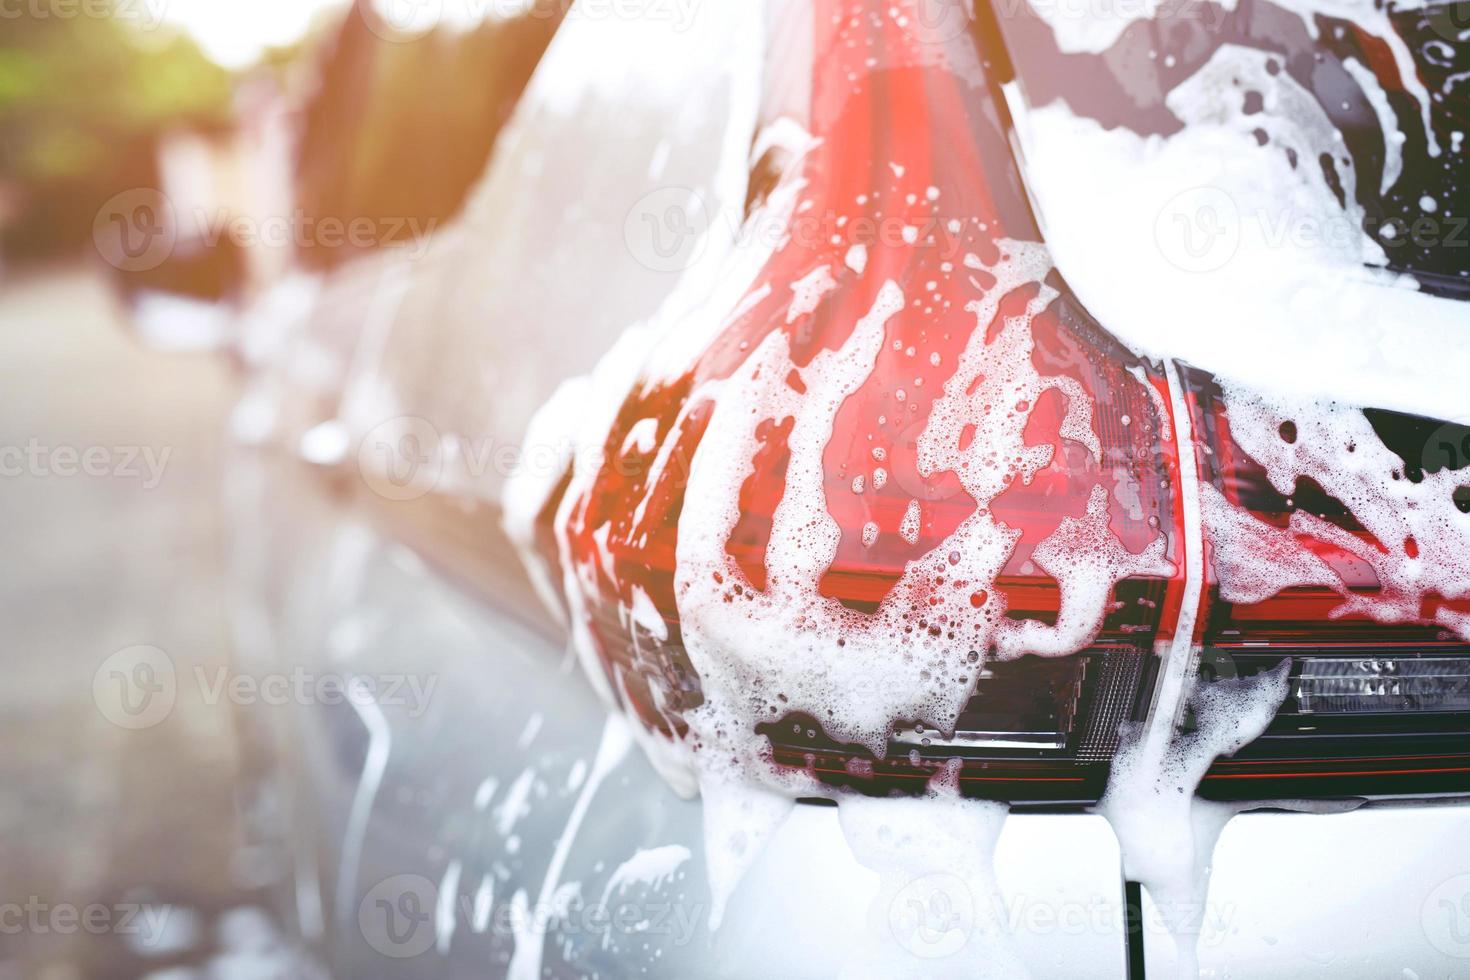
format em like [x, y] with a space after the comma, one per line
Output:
[994, 409]
[1314, 516]
[906, 506]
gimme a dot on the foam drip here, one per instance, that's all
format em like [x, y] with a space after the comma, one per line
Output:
[1167, 835]
[762, 655]
[1393, 137]
[938, 913]
[653, 867]
[739, 821]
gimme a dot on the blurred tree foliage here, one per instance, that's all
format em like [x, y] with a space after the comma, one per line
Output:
[83, 100]
[396, 130]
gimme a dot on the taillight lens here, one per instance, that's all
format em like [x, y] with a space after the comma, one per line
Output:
[1377, 707]
[1389, 684]
[912, 181]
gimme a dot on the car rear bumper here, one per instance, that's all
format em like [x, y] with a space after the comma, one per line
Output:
[481, 816]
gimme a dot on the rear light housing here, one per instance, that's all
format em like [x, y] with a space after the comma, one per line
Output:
[1375, 709]
[918, 144]
[912, 128]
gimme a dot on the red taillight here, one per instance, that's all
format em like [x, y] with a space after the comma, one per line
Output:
[1379, 701]
[911, 180]
[914, 180]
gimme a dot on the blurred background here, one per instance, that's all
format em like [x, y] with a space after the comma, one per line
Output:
[168, 168]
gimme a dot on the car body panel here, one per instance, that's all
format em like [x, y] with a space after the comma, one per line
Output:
[418, 796]
[1380, 891]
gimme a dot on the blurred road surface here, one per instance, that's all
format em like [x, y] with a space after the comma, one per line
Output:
[119, 852]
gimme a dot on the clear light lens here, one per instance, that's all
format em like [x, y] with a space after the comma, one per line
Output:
[1383, 684]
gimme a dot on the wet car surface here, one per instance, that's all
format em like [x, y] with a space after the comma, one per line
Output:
[482, 810]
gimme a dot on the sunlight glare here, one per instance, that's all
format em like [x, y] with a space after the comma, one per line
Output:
[235, 33]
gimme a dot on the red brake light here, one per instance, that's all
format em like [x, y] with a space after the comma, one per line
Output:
[914, 179]
[910, 138]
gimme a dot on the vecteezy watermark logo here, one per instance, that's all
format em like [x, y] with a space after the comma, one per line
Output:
[667, 229]
[40, 461]
[408, 457]
[1210, 923]
[136, 231]
[402, 459]
[1198, 230]
[136, 688]
[140, 229]
[1450, 21]
[1447, 448]
[299, 686]
[1445, 916]
[403, 916]
[933, 917]
[146, 14]
[144, 924]
[933, 21]
[401, 20]
[303, 231]
[395, 917]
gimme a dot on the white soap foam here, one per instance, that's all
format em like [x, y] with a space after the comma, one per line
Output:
[1209, 247]
[1255, 560]
[908, 529]
[1393, 136]
[646, 615]
[516, 804]
[532, 729]
[1419, 549]
[808, 292]
[1168, 836]
[484, 904]
[485, 792]
[938, 914]
[651, 866]
[444, 909]
[1093, 26]
[643, 436]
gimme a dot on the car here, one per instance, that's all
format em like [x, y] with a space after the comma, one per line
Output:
[885, 489]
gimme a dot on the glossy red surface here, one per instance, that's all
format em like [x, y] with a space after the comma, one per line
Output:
[910, 161]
